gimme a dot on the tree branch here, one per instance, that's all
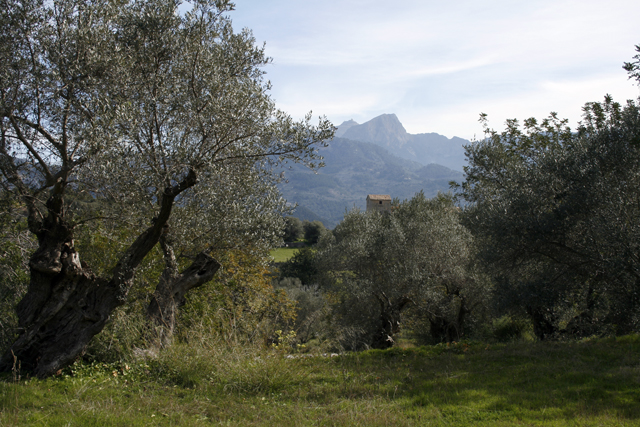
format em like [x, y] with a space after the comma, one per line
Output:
[27, 144]
[125, 268]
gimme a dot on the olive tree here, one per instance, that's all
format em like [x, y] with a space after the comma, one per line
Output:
[377, 265]
[239, 214]
[554, 213]
[150, 111]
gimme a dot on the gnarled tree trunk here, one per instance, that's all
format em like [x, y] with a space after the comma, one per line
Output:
[389, 321]
[66, 304]
[445, 327]
[173, 286]
[543, 325]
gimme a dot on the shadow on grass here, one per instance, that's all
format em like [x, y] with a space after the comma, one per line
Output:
[541, 381]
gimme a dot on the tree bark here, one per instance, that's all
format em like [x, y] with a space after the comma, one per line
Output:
[447, 326]
[172, 287]
[66, 305]
[389, 321]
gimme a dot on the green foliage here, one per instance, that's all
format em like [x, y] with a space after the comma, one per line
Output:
[301, 265]
[15, 245]
[311, 321]
[633, 68]
[416, 258]
[554, 214]
[293, 230]
[508, 328]
[313, 231]
[240, 305]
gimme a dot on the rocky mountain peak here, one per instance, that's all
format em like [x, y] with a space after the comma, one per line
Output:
[385, 130]
[345, 126]
[426, 148]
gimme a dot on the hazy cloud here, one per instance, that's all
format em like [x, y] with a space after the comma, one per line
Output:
[437, 65]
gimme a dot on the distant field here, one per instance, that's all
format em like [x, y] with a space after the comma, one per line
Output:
[282, 254]
[589, 383]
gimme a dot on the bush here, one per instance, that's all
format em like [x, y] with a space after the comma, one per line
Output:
[311, 310]
[300, 266]
[16, 244]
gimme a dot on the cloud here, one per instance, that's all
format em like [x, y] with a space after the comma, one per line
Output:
[437, 65]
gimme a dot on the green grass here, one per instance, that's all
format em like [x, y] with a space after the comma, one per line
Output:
[588, 383]
[282, 254]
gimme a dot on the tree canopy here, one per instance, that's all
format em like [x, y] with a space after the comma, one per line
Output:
[375, 266]
[156, 114]
[555, 214]
[293, 229]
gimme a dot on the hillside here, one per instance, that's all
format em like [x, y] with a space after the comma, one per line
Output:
[353, 170]
[425, 148]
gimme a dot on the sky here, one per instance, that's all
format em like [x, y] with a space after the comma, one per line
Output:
[438, 64]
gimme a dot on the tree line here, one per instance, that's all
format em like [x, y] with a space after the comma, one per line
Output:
[296, 229]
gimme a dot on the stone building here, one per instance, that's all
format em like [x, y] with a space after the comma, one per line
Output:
[379, 202]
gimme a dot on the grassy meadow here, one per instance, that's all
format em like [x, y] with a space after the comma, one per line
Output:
[282, 254]
[588, 383]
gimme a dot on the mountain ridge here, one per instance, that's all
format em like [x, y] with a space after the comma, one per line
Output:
[354, 169]
[387, 131]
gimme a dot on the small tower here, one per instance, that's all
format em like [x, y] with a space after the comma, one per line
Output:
[379, 202]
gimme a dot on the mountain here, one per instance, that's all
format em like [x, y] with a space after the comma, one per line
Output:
[353, 170]
[385, 131]
[426, 148]
[344, 127]
[306, 214]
